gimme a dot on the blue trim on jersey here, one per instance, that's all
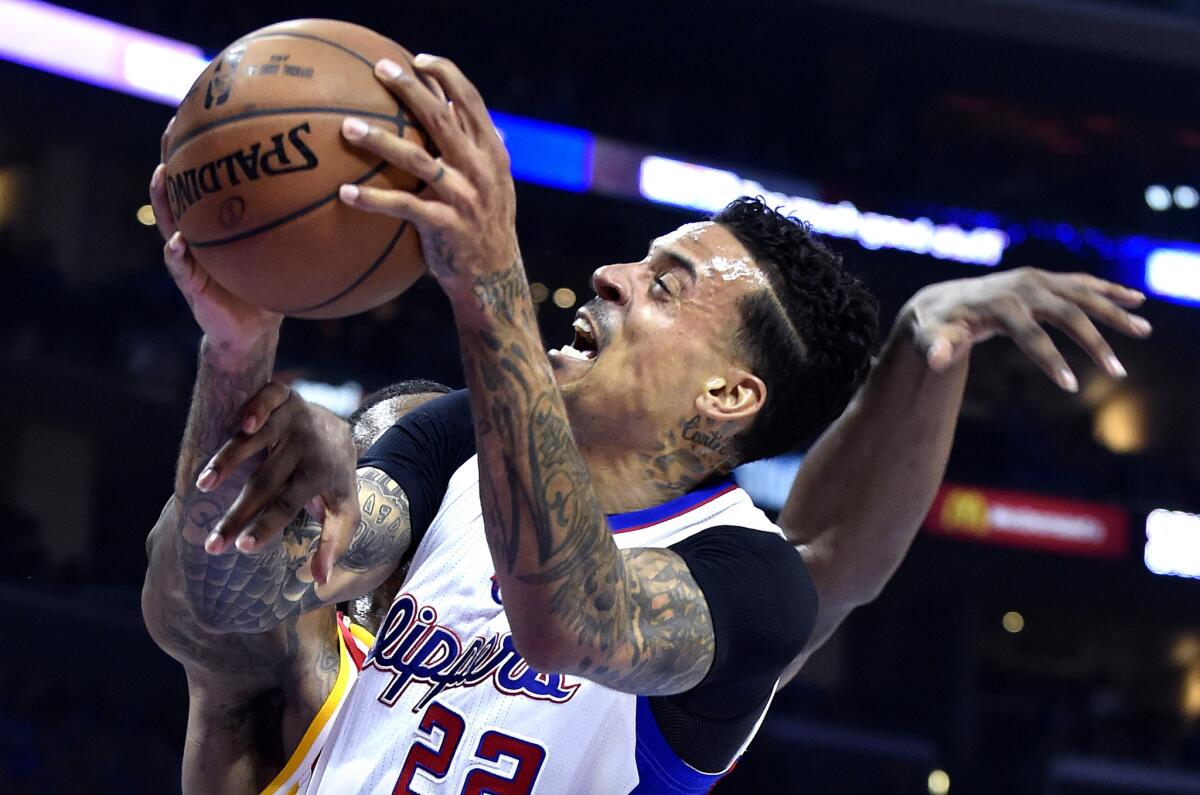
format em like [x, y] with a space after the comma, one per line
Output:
[659, 769]
[635, 520]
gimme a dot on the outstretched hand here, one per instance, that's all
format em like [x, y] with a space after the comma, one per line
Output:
[226, 320]
[310, 462]
[949, 318]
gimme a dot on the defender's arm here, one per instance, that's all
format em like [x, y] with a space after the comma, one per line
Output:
[865, 487]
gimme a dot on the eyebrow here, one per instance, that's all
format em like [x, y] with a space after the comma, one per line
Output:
[679, 259]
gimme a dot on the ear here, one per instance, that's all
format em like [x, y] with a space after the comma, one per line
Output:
[736, 396]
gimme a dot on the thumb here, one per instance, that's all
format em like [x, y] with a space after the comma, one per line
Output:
[341, 520]
[939, 353]
[946, 346]
[189, 277]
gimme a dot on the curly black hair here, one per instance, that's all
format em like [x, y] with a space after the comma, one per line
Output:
[808, 336]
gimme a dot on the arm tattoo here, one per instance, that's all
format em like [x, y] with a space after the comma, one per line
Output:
[673, 632]
[249, 593]
[385, 529]
[546, 530]
[240, 592]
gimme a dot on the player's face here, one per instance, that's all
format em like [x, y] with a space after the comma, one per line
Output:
[656, 333]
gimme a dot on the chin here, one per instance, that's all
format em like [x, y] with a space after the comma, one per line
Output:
[568, 371]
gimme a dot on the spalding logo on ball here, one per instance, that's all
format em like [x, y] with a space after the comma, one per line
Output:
[255, 159]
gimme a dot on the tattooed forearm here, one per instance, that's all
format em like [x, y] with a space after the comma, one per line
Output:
[224, 382]
[253, 592]
[247, 593]
[563, 578]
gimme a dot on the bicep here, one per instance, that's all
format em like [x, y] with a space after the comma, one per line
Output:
[828, 577]
[668, 646]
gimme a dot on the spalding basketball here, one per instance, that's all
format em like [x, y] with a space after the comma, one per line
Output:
[255, 159]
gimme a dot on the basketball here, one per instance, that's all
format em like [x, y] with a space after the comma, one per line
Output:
[255, 159]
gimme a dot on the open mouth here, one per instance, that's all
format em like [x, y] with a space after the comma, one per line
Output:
[584, 346]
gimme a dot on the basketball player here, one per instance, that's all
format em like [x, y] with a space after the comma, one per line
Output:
[261, 705]
[582, 526]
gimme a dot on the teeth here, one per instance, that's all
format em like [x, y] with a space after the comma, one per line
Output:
[570, 351]
[583, 327]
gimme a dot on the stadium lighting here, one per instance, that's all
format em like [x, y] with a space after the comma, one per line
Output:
[1173, 543]
[340, 399]
[97, 51]
[1158, 198]
[564, 298]
[1013, 622]
[1186, 197]
[104, 53]
[708, 189]
[1174, 274]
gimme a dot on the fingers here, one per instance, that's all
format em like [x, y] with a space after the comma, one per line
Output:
[1076, 323]
[1037, 345]
[245, 444]
[260, 407]
[189, 277]
[161, 206]
[1117, 293]
[460, 91]
[273, 484]
[164, 143]
[341, 521]
[939, 354]
[445, 181]
[947, 346]
[436, 116]
[424, 213]
[1103, 301]
[284, 508]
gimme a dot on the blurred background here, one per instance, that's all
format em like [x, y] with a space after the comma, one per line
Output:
[1043, 635]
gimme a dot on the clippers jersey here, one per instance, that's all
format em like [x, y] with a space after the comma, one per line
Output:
[353, 644]
[445, 703]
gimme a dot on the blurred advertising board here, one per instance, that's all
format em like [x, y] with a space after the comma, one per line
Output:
[1029, 521]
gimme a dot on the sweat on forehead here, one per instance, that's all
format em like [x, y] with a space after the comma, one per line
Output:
[714, 252]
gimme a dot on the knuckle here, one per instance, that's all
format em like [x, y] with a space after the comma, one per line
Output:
[1007, 302]
[442, 118]
[259, 482]
[1071, 313]
[288, 504]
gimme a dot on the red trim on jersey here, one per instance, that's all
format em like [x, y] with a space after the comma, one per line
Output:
[356, 654]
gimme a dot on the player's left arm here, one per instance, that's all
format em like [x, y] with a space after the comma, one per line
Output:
[575, 602]
[867, 483]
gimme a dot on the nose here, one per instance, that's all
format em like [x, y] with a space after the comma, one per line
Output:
[609, 282]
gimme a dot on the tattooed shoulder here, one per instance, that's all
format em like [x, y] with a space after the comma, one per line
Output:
[384, 529]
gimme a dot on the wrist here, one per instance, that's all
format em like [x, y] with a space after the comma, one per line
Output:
[238, 353]
[494, 298]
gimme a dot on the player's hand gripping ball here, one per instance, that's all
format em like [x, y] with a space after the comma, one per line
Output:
[255, 158]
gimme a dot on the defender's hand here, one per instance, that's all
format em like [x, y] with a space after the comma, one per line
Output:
[466, 214]
[310, 461]
[230, 322]
[947, 319]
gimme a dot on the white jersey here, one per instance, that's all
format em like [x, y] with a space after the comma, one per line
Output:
[445, 703]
